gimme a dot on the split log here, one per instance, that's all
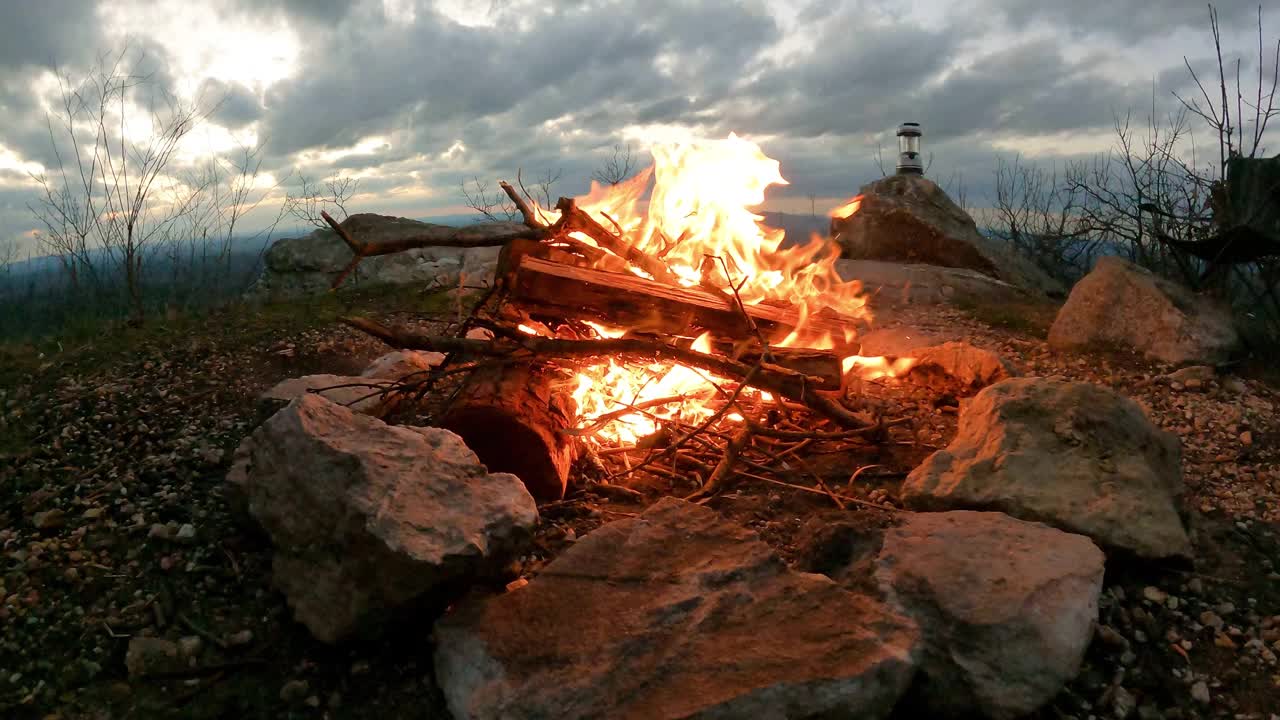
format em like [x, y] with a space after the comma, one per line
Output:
[515, 418]
[560, 291]
[575, 219]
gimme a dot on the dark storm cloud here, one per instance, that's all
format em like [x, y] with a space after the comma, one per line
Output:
[47, 34]
[232, 105]
[372, 73]
[317, 11]
[1124, 20]
[551, 84]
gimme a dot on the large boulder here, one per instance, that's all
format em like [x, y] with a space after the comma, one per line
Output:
[1124, 304]
[889, 284]
[1006, 608]
[908, 218]
[1073, 455]
[674, 614]
[309, 264]
[371, 521]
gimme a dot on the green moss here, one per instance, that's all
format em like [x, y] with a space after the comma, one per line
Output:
[1026, 318]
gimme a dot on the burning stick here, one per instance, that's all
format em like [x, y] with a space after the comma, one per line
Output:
[575, 219]
[724, 469]
[793, 385]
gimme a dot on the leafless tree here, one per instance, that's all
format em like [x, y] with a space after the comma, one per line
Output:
[8, 255]
[1114, 193]
[494, 206]
[542, 187]
[620, 166]
[1217, 112]
[879, 158]
[956, 188]
[331, 195]
[1039, 215]
[110, 191]
[210, 230]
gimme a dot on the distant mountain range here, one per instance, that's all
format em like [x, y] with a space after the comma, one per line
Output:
[798, 229]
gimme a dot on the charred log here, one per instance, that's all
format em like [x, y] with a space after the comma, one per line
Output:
[515, 420]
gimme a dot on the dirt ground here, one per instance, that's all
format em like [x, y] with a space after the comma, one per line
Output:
[100, 446]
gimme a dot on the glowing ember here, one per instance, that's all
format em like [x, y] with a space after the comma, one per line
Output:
[874, 368]
[699, 222]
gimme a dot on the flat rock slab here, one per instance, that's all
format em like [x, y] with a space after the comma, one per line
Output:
[371, 521]
[889, 284]
[1120, 303]
[1076, 456]
[674, 614]
[1007, 608]
[360, 394]
[399, 364]
[309, 264]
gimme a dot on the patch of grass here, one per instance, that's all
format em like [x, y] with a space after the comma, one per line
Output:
[1027, 318]
[88, 346]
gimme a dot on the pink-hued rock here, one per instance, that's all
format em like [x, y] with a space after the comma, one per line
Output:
[1074, 455]
[370, 520]
[674, 614]
[1120, 303]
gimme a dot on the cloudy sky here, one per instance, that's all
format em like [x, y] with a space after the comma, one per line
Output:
[414, 97]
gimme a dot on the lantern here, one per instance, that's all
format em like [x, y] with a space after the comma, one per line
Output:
[909, 149]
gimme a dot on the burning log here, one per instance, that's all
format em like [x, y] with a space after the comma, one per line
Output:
[516, 420]
[822, 364]
[563, 291]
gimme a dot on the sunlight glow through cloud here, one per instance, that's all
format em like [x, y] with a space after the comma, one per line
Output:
[201, 42]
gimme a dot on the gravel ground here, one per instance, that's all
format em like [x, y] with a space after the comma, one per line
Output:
[115, 525]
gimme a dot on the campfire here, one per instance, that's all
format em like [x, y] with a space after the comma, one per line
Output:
[652, 327]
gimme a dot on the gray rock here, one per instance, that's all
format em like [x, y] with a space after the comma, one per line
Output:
[1196, 373]
[189, 647]
[894, 283]
[908, 218]
[371, 521]
[400, 363]
[151, 656]
[309, 264]
[294, 690]
[1073, 455]
[49, 519]
[357, 393]
[958, 363]
[1121, 303]
[676, 613]
[1007, 608]
[1200, 692]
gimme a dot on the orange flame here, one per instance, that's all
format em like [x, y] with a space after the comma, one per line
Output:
[848, 208]
[699, 221]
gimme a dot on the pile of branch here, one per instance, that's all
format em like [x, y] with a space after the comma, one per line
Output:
[809, 391]
[509, 403]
